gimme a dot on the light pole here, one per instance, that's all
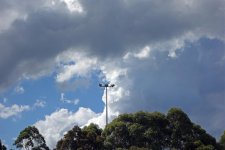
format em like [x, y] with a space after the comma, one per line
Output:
[106, 101]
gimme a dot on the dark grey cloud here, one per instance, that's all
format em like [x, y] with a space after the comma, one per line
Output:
[194, 81]
[105, 29]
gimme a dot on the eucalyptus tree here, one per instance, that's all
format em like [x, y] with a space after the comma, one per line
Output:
[222, 140]
[88, 138]
[2, 147]
[30, 139]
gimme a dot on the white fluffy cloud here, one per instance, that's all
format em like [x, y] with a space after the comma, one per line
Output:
[14, 110]
[70, 65]
[55, 125]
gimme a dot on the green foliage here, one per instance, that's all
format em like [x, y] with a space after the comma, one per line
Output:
[157, 131]
[30, 138]
[88, 138]
[142, 131]
[222, 140]
[2, 147]
[180, 126]
[207, 147]
[71, 140]
[137, 130]
[187, 135]
[137, 148]
[92, 136]
[117, 135]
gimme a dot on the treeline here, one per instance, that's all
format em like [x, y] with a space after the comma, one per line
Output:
[137, 131]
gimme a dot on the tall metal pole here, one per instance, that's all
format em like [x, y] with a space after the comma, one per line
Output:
[106, 99]
[106, 107]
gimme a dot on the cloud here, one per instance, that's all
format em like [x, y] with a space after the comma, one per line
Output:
[74, 84]
[39, 103]
[5, 100]
[143, 54]
[78, 68]
[14, 110]
[193, 81]
[65, 100]
[19, 90]
[105, 29]
[74, 5]
[55, 125]
[160, 54]
[10, 12]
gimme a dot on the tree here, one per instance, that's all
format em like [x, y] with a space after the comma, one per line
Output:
[2, 147]
[117, 135]
[140, 130]
[31, 139]
[144, 130]
[157, 132]
[88, 138]
[181, 128]
[92, 137]
[72, 140]
[187, 135]
[222, 140]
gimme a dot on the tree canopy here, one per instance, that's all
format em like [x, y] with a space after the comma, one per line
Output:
[136, 131]
[30, 139]
[156, 131]
[2, 147]
[222, 140]
[88, 138]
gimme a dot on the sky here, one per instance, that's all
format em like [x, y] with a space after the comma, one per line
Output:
[159, 54]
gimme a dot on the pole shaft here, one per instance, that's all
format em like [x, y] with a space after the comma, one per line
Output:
[106, 103]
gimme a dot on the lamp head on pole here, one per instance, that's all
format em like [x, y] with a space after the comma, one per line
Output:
[106, 85]
[112, 85]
